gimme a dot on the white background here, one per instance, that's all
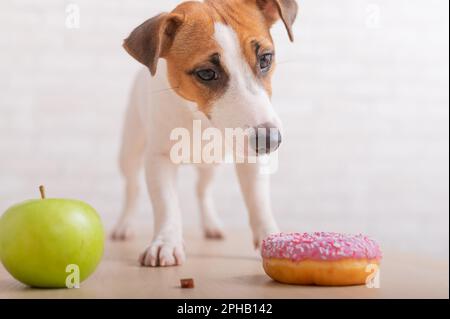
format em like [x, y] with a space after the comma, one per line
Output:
[363, 93]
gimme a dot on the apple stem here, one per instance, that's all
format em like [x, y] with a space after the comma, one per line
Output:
[42, 191]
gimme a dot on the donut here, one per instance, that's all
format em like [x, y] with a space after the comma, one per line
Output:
[320, 258]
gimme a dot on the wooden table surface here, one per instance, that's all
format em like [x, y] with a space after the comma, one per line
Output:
[231, 269]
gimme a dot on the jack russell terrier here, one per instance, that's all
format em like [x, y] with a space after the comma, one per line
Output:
[218, 58]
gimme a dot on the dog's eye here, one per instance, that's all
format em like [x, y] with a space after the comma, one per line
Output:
[207, 75]
[265, 61]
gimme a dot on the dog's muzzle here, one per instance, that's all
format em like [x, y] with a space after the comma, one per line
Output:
[265, 138]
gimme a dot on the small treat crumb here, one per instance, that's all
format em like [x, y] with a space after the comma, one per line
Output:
[187, 283]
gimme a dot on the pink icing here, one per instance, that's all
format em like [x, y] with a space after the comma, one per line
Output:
[319, 246]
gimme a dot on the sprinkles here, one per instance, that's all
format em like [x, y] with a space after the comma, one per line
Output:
[320, 246]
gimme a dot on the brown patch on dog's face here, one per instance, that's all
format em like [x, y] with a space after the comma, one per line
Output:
[185, 38]
[189, 65]
[194, 65]
[253, 31]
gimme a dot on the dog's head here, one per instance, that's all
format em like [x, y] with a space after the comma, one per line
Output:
[220, 55]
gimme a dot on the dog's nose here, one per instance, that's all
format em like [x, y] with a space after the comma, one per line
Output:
[265, 138]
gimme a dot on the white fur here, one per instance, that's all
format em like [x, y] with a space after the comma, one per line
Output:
[153, 112]
[245, 103]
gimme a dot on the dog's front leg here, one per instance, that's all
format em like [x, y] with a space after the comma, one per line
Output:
[166, 248]
[256, 190]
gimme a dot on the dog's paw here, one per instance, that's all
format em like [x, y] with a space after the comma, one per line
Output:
[212, 227]
[214, 232]
[261, 233]
[122, 231]
[163, 253]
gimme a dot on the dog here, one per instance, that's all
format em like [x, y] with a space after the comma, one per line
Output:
[210, 61]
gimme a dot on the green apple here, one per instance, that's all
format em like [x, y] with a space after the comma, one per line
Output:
[40, 238]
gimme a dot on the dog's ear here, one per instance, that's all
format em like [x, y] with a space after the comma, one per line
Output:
[151, 40]
[285, 10]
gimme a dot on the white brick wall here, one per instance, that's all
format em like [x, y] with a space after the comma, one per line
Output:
[365, 109]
